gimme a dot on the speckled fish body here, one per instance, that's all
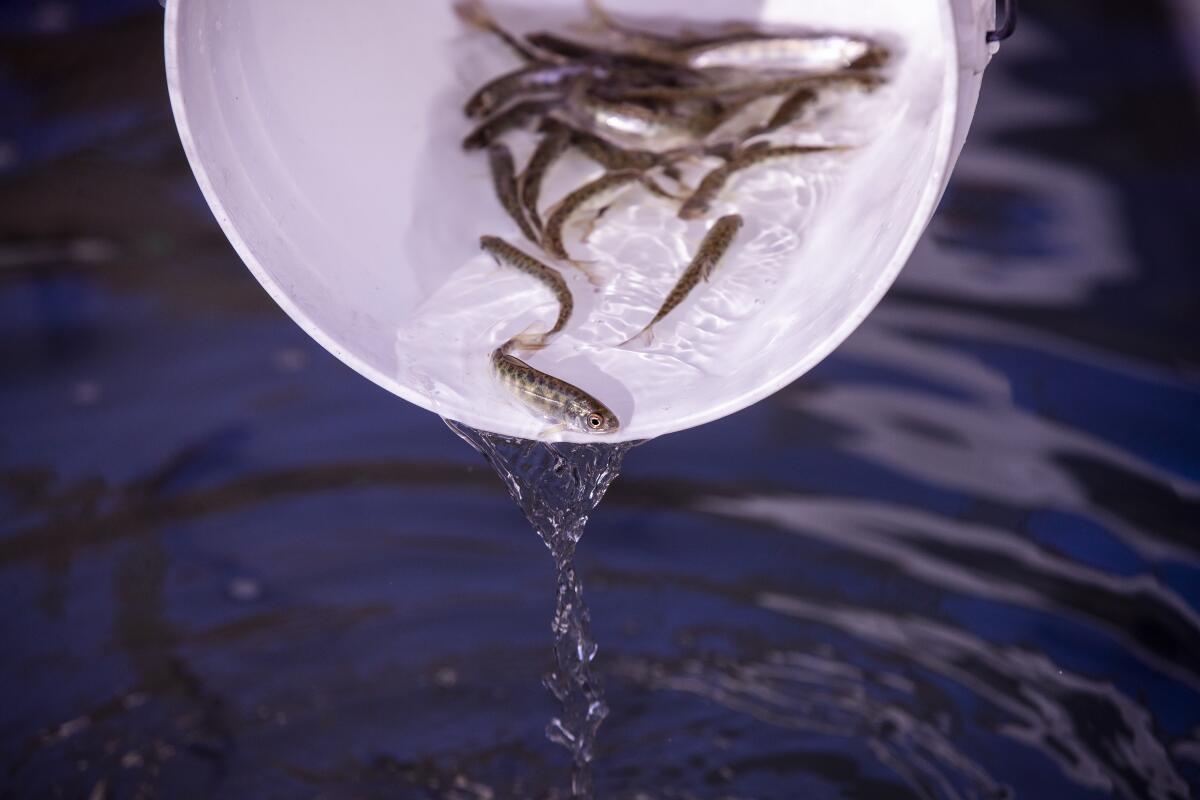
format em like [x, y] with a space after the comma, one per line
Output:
[714, 182]
[609, 155]
[613, 158]
[713, 248]
[552, 398]
[804, 95]
[602, 188]
[504, 177]
[551, 278]
[794, 105]
[556, 138]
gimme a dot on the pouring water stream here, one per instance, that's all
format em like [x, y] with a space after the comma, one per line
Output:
[557, 485]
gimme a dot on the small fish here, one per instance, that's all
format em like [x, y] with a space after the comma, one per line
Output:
[614, 158]
[515, 116]
[711, 185]
[505, 253]
[790, 109]
[716, 243]
[556, 139]
[533, 79]
[806, 94]
[638, 126]
[504, 178]
[574, 50]
[640, 40]
[876, 57]
[741, 89]
[808, 53]
[475, 14]
[568, 406]
[604, 187]
[608, 155]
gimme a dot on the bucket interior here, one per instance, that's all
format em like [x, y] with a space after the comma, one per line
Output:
[326, 138]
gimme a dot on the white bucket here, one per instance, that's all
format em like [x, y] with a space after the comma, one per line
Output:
[319, 136]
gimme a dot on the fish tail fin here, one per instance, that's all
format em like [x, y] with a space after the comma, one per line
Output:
[475, 14]
[643, 338]
[670, 169]
[588, 268]
[685, 187]
[535, 219]
[597, 18]
[657, 190]
[530, 343]
[694, 207]
[529, 340]
[553, 430]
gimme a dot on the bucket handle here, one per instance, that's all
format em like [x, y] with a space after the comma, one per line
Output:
[1007, 8]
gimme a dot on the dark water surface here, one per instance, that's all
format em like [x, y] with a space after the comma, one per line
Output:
[961, 559]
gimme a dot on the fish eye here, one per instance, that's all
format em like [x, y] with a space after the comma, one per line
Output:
[595, 420]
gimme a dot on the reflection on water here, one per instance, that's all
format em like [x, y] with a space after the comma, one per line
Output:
[958, 560]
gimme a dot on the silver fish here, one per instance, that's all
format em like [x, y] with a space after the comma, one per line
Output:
[744, 88]
[806, 53]
[632, 125]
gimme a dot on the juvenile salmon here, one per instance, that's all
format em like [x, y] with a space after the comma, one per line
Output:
[614, 158]
[806, 94]
[556, 138]
[566, 405]
[604, 187]
[504, 177]
[711, 185]
[505, 253]
[712, 249]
